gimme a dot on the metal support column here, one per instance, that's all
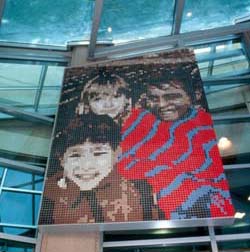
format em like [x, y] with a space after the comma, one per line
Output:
[178, 13]
[95, 26]
[2, 5]
[40, 86]
[213, 239]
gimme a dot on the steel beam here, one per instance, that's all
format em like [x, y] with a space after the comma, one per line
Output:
[40, 86]
[17, 238]
[31, 53]
[10, 189]
[95, 26]
[26, 116]
[184, 39]
[227, 81]
[236, 166]
[2, 224]
[233, 237]
[231, 118]
[158, 242]
[21, 166]
[178, 13]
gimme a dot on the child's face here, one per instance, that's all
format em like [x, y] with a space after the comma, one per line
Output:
[107, 99]
[167, 102]
[88, 163]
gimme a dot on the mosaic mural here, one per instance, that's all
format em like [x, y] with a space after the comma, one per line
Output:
[133, 141]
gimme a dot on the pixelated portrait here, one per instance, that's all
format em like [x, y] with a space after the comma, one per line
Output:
[134, 141]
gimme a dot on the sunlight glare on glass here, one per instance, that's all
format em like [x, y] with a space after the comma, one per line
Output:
[224, 143]
[239, 215]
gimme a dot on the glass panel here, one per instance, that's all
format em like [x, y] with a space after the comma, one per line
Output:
[228, 99]
[49, 98]
[25, 137]
[11, 246]
[18, 208]
[240, 191]
[124, 21]
[234, 246]
[18, 83]
[22, 180]
[54, 76]
[19, 98]
[203, 14]
[203, 67]
[230, 66]
[52, 87]
[20, 231]
[19, 75]
[222, 59]
[39, 182]
[163, 248]
[233, 141]
[155, 234]
[46, 22]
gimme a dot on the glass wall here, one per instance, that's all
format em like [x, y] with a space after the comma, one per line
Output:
[46, 22]
[32, 86]
[202, 14]
[123, 21]
[20, 194]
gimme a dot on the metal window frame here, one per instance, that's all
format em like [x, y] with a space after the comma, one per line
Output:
[18, 238]
[25, 115]
[21, 166]
[212, 238]
[178, 40]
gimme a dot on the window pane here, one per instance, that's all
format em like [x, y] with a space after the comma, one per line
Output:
[228, 99]
[46, 22]
[110, 236]
[49, 98]
[17, 208]
[230, 66]
[233, 141]
[203, 14]
[225, 58]
[22, 180]
[124, 21]
[19, 75]
[240, 191]
[235, 246]
[54, 76]
[18, 83]
[12, 246]
[25, 137]
[20, 231]
[162, 248]
[19, 98]
[39, 182]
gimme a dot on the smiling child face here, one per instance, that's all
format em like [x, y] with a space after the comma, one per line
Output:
[88, 163]
[169, 103]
